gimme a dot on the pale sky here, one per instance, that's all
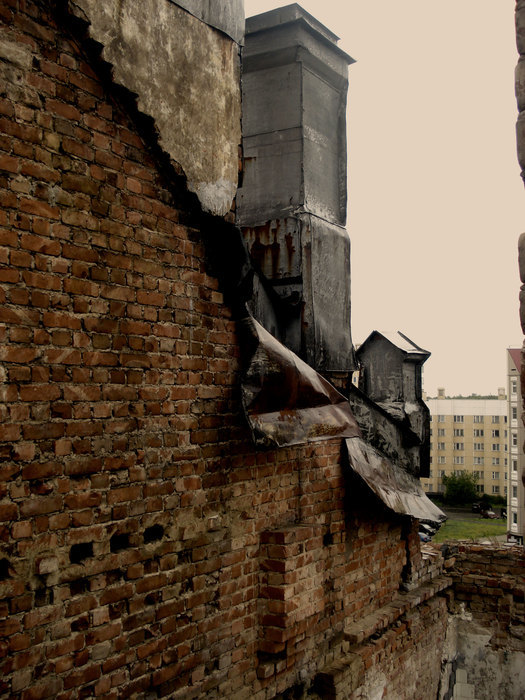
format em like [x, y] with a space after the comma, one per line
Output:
[436, 202]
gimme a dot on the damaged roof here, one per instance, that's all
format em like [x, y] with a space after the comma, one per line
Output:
[401, 342]
[399, 490]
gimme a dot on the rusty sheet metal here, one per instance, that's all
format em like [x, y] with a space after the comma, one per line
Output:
[285, 401]
[399, 490]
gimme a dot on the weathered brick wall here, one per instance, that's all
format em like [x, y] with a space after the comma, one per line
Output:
[146, 549]
[489, 582]
[485, 649]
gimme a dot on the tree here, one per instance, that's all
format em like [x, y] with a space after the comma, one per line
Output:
[460, 488]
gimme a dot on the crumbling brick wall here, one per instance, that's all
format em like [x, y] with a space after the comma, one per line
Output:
[485, 648]
[489, 582]
[146, 547]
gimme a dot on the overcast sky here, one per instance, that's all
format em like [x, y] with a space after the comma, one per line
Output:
[436, 202]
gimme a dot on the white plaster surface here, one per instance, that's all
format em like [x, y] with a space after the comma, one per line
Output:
[186, 75]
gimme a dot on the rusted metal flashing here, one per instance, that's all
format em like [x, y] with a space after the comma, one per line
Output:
[398, 490]
[286, 402]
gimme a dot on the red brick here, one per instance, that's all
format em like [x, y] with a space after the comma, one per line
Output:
[38, 208]
[39, 392]
[41, 280]
[82, 676]
[42, 470]
[48, 688]
[9, 163]
[40, 505]
[61, 320]
[40, 244]
[8, 511]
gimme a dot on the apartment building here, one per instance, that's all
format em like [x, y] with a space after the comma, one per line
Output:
[516, 492]
[469, 435]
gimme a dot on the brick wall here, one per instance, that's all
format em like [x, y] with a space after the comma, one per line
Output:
[485, 650]
[146, 549]
[489, 582]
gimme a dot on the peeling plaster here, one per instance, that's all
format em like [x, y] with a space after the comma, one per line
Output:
[186, 76]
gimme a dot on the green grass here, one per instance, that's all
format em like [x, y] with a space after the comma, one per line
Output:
[470, 529]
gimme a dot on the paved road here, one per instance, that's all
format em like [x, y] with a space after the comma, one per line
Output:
[455, 513]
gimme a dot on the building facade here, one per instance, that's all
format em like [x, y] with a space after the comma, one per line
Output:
[516, 495]
[469, 435]
[164, 532]
[150, 545]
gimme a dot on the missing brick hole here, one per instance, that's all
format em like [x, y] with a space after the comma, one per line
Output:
[119, 542]
[81, 585]
[4, 569]
[268, 657]
[186, 586]
[79, 552]
[153, 533]
[43, 596]
[184, 556]
[328, 539]
[293, 693]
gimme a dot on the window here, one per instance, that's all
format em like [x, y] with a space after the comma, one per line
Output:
[495, 475]
[442, 460]
[479, 475]
[478, 447]
[514, 518]
[514, 386]
[478, 419]
[495, 446]
[514, 465]
[458, 419]
[430, 474]
[495, 419]
[441, 432]
[459, 460]
[441, 473]
[505, 490]
[479, 460]
[495, 461]
[514, 439]
[458, 432]
[441, 419]
[441, 445]
[495, 433]
[480, 488]
[495, 489]
[441, 488]
[459, 446]
[514, 492]
[514, 413]
[478, 432]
